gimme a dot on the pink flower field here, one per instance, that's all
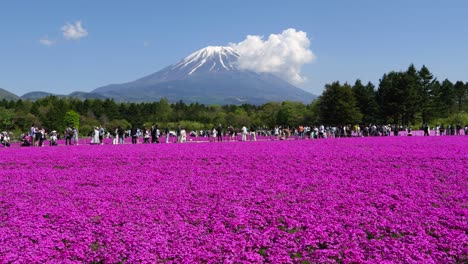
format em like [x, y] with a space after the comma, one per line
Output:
[352, 200]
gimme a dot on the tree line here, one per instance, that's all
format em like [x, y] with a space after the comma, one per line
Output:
[409, 98]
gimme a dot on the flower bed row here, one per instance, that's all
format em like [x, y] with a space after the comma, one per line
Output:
[365, 200]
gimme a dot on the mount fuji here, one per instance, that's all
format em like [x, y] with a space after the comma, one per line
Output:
[209, 76]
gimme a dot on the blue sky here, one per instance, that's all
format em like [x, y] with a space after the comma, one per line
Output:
[126, 40]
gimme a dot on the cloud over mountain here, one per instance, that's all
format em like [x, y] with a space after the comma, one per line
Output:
[281, 54]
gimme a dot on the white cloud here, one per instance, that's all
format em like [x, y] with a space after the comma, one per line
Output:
[281, 54]
[74, 31]
[46, 42]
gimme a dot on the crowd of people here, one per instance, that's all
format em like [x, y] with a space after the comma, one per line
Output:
[37, 136]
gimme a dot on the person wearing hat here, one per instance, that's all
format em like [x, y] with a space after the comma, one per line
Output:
[53, 138]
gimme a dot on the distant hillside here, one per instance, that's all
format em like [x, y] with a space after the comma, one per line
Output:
[37, 95]
[84, 95]
[79, 95]
[4, 94]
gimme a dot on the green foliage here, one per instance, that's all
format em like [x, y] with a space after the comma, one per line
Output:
[366, 101]
[6, 118]
[291, 114]
[337, 105]
[461, 91]
[115, 123]
[187, 125]
[453, 119]
[72, 118]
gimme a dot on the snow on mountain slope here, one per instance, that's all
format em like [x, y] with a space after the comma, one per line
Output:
[211, 58]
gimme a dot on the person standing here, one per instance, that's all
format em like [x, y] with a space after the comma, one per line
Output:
[37, 136]
[157, 133]
[42, 136]
[220, 133]
[231, 133]
[276, 132]
[153, 133]
[244, 133]
[101, 135]
[115, 140]
[183, 135]
[213, 134]
[121, 135]
[459, 127]
[253, 133]
[441, 130]
[146, 135]
[134, 134]
[178, 133]
[68, 135]
[75, 136]
[166, 132]
[95, 136]
[32, 134]
[426, 130]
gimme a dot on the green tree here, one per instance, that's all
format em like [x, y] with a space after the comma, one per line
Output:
[72, 118]
[268, 114]
[291, 114]
[163, 110]
[444, 99]
[426, 83]
[6, 118]
[460, 92]
[411, 95]
[366, 101]
[391, 97]
[337, 105]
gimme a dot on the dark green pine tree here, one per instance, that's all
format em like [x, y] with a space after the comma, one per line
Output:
[411, 95]
[391, 98]
[366, 101]
[337, 105]
[444, 99]
[425, 84]
[460, 92]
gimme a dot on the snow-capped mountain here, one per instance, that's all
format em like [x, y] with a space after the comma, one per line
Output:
[211, 58]
[209, 76]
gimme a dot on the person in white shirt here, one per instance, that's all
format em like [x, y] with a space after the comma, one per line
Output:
[244, 133]
[213, 134]
[183, 135]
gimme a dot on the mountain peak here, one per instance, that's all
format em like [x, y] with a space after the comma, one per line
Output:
[211, 58]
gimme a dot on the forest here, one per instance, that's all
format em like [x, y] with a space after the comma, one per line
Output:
[408, 98]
